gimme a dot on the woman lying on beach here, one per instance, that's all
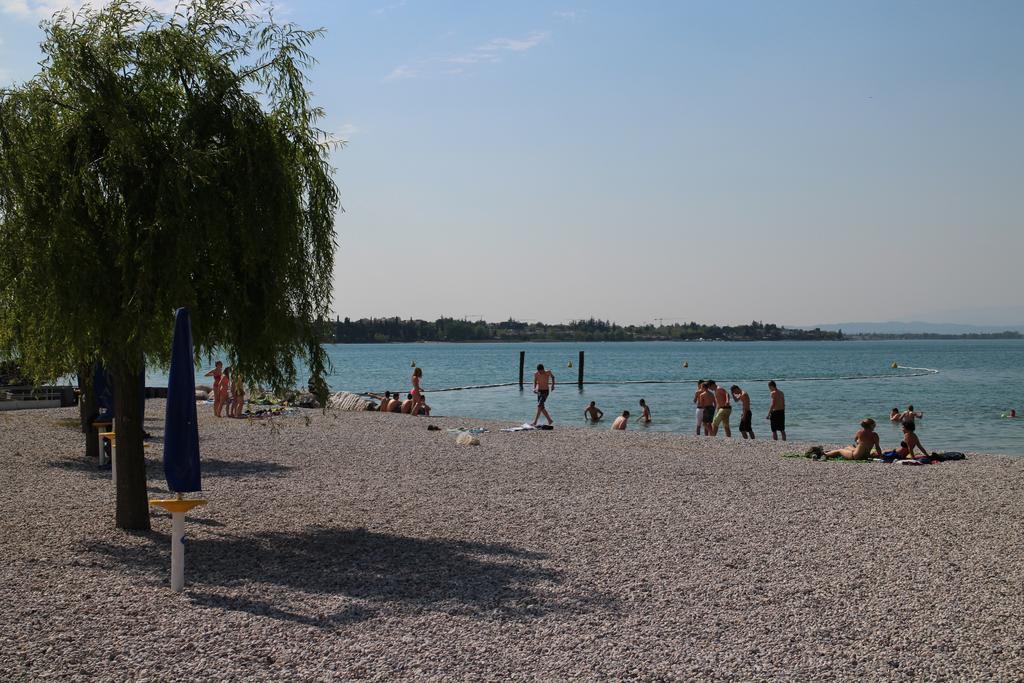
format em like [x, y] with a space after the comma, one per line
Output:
[864, 441]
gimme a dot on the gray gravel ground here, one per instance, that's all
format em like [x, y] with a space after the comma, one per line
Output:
[360, 545]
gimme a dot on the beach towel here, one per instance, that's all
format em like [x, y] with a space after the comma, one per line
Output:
[525, 427]
[467, 430]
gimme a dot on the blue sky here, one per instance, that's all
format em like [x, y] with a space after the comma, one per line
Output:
[798, 162]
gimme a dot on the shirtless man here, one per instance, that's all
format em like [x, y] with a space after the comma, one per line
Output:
[863, 442]
[777, 412]
[895, 415]
[706, 403]
[645, 416]
[697, 395]
[746, 428]
[592, 413]
[543, 385]
[910, 415]
[407, 405]
[723, 411]
[396, 403]
[621, 421]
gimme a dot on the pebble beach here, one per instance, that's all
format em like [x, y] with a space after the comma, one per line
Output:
[352, 546]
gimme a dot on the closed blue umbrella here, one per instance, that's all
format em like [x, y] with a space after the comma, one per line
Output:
[181, 428]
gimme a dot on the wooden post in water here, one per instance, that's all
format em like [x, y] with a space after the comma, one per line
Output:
[522, 363]
[580, 380]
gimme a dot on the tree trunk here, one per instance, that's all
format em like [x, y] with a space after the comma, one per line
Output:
[87, 411]
[132, 499]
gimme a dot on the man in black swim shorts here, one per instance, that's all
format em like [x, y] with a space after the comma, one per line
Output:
[746, 428]
[777, 411]
[543, 385]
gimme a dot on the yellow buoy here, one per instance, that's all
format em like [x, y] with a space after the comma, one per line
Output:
[414, 363]
[686, 364]
[569, 365]
[894, 366]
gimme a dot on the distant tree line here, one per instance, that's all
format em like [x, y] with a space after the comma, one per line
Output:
[384, 330]
[1008, 334]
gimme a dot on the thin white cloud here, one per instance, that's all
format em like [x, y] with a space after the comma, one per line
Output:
[401, 72]
[569, 14]
[514, 44]
[388, 9]
[345, 132]
[486, 53]
[18, 8]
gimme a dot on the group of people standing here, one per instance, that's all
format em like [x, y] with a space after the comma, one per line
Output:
[713, 406]
[228, 391]
[712, 403]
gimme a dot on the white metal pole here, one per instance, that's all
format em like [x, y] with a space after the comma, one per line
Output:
[177, 551]
[113, 462]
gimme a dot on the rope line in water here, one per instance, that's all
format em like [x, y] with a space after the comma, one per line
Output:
[918, 372]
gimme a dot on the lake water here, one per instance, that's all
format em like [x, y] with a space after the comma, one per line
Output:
[961, 386]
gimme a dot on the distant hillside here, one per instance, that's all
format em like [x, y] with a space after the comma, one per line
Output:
[917, 327]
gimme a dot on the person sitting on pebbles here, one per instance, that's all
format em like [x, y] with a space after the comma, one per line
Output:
[621, 421]
[911, 441]
[423, 408]
[864, 441]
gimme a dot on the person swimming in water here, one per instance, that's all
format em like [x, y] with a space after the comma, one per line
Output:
[592, 413]
[895, 415]
[864, 441]
[621, 421]
[910, 415]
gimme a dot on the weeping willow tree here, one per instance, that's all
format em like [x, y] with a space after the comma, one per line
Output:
[158, 161]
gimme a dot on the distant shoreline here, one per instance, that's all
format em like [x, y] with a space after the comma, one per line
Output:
[848, 338]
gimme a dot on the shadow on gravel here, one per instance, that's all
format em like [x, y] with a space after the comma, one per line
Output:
[485, 580]
[211, 467]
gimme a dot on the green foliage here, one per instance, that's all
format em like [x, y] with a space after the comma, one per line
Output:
[378, 330]
[165, 161]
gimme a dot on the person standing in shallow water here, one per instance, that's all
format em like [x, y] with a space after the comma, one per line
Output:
[777, 411]
[723, 411]
[645, 415]
[697, 403]
[543, 385]
[592, 413]
[746, 416]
